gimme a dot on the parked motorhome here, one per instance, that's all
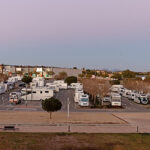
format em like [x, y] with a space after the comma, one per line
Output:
[38, 94]
[116, 88]
[61, 84]
[25, 91]
[12, 79]
[77, 95]
[84, 100]
[126, 93]
[15, 98]
[40, 81]
[76, 85]
[53, 86]
[141, 99]
[115, 99]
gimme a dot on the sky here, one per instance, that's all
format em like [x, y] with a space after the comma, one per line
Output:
[97, 34]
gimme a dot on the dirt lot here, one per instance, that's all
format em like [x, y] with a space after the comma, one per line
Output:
[62, 141]
[13, 117]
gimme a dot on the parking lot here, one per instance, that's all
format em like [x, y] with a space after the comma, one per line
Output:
[63, 96]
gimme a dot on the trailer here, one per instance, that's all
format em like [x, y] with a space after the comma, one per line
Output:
[116, 88]
[40, 81]
[76, 86]
[53, 86]
[38, 94]
[61, 84]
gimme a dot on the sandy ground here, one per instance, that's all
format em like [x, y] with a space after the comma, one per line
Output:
[142, 120]
[42, 118]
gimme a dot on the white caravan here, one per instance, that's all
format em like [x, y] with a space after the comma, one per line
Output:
[84, 100]
[76, 85]
[61, 84]
[25, 91]
[15, 97]
[126, 93]
[40, 81]
[38, 94]
[77, 95]
[53, 86]
[141, 99]
[12, 79]
[116, 88]
[33, 85]
[115, 99]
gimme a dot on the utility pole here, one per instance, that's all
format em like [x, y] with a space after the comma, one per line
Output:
[68, 115]
[68, 104]
[26, 96]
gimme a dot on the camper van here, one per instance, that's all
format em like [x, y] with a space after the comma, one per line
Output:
[38, 94]
[84, 100]
[53, 86]
[141, 99]
[115, 99]
[76, 85]
[40, 81]
[77, 95]
[116, 88]
[61, 84]
[15, 98]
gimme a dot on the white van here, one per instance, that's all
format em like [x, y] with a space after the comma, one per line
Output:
[15, 97]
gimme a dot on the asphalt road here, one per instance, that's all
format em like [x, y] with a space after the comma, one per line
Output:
[63, 96]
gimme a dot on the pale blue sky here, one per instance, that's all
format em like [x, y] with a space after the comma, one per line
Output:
[110, 34]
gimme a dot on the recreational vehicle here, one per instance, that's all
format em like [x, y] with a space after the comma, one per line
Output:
[115, 99]
[141, 99]
[84, 100]
[15, 97]
[38, 94]
[61, 84]
[76, 85]
[116, 88]
[77, 95]
[53, 86]
[40, 81]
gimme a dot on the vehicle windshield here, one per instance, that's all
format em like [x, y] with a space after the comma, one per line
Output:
[144, 98]
[116, 100]
[84, 99]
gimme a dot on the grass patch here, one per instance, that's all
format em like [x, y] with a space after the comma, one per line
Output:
[75, 141]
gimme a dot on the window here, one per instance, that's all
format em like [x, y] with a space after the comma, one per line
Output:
[46, 91]
[41, 92]
[34, 92]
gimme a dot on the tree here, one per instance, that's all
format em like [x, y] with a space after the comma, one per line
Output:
[61, 76]
[27, 79]
[96, 87]
[128, 74]
[117, 76]
[51, 105]
[115, 82]
[71, 79]
[3, 77]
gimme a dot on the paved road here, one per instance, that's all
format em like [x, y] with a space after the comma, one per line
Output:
[63, 95]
